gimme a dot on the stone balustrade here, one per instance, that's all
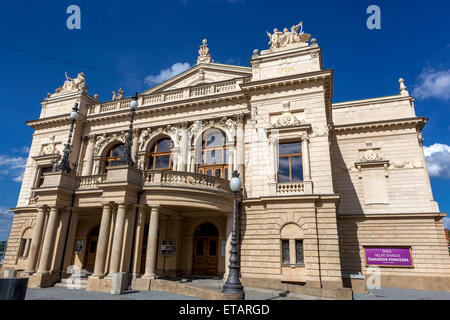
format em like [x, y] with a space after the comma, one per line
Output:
[185, 179]
[90, 182]
[169, 96]
[291, 187]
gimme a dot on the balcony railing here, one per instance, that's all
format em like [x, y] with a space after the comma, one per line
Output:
[185, 179]
[169, 96]
[291, 187]
[90, 182]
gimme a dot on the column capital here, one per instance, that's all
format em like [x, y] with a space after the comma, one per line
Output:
[108, 203]
[155, 206]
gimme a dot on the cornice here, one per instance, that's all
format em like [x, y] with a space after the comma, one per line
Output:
[370, 101]
[55, 121]
[418, 122]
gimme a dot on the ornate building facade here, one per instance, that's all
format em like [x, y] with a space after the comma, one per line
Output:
[328, 188]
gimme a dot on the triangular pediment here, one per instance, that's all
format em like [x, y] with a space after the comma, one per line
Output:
[202, 74]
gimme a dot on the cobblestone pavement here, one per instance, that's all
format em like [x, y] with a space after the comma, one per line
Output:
[401, 294]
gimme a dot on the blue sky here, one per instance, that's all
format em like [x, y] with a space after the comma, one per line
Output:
[152, 40]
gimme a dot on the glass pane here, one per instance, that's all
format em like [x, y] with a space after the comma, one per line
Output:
[226, 156]
[289, 148]
[212, 248]
[285, 251]
[118, 150]
[162, 162]
[199, 248]
[92, 247]
[214, 138]
[214, 157]
[297, 169]
[299, 251]
[209, 172]
[217, 173]
[283, 169]
[226, 174]
[163, 145]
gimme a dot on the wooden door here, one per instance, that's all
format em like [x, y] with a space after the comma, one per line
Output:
[206, 250]
[90, 253]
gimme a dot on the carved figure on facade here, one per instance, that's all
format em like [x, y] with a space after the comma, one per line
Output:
[101, 140]
[229, 124]
[73, 85]
[406, 164]
[287, 38]
[287, 119]
[143, 138]
[319, 131]
[370, 155]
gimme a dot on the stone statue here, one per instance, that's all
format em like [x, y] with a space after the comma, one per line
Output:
[287, 38]
[119, 95]
[72, 85]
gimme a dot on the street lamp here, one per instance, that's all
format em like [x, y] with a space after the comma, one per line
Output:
[126, 158]
[233, 284]
[64, 165]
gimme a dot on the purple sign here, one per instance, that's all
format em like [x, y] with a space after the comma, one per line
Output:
[388, 257]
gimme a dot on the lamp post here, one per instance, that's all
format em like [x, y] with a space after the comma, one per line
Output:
[126, 158]
[64, 165]
[233, 285]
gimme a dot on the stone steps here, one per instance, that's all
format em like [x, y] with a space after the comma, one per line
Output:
[73, 283]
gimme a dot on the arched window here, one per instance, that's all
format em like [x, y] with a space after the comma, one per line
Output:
[292, 245]
[161, 155]
[25, 243]
[114, 154]
[214, 160]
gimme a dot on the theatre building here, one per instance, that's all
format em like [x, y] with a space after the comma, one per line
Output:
[332, 192]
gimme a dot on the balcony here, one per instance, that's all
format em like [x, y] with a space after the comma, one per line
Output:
[170, 96]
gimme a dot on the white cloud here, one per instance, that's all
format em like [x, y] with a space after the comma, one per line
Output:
[168, 73]
[446, 222]
[438, 160]
[433, 84]
[13, 166]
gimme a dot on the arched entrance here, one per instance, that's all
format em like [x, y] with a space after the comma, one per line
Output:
[206, 243]
[89, 258]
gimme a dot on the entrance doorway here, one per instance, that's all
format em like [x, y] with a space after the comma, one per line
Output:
[206, 243]
[89, 259]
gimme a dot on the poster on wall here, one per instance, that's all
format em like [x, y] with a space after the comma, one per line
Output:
[223, 246]
[388, 256]
[167, 248]
[79, 246]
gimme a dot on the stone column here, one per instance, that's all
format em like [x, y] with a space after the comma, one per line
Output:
[116, 251]
[36, 242]
[228, 246]
[135, 145]
[305, 156]
[240, 143]
[71, 240]
[49, 239]
[152, 244]
[87, 170]
[231, 164]
[140, 226]
[184, 150]
[102, 244]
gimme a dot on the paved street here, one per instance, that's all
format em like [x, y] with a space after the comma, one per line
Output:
[401, 294]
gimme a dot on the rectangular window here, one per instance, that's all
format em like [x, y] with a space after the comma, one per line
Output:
[22, 247]
[299, 252]
[285, 252]
[290, 167]
[41, 174]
